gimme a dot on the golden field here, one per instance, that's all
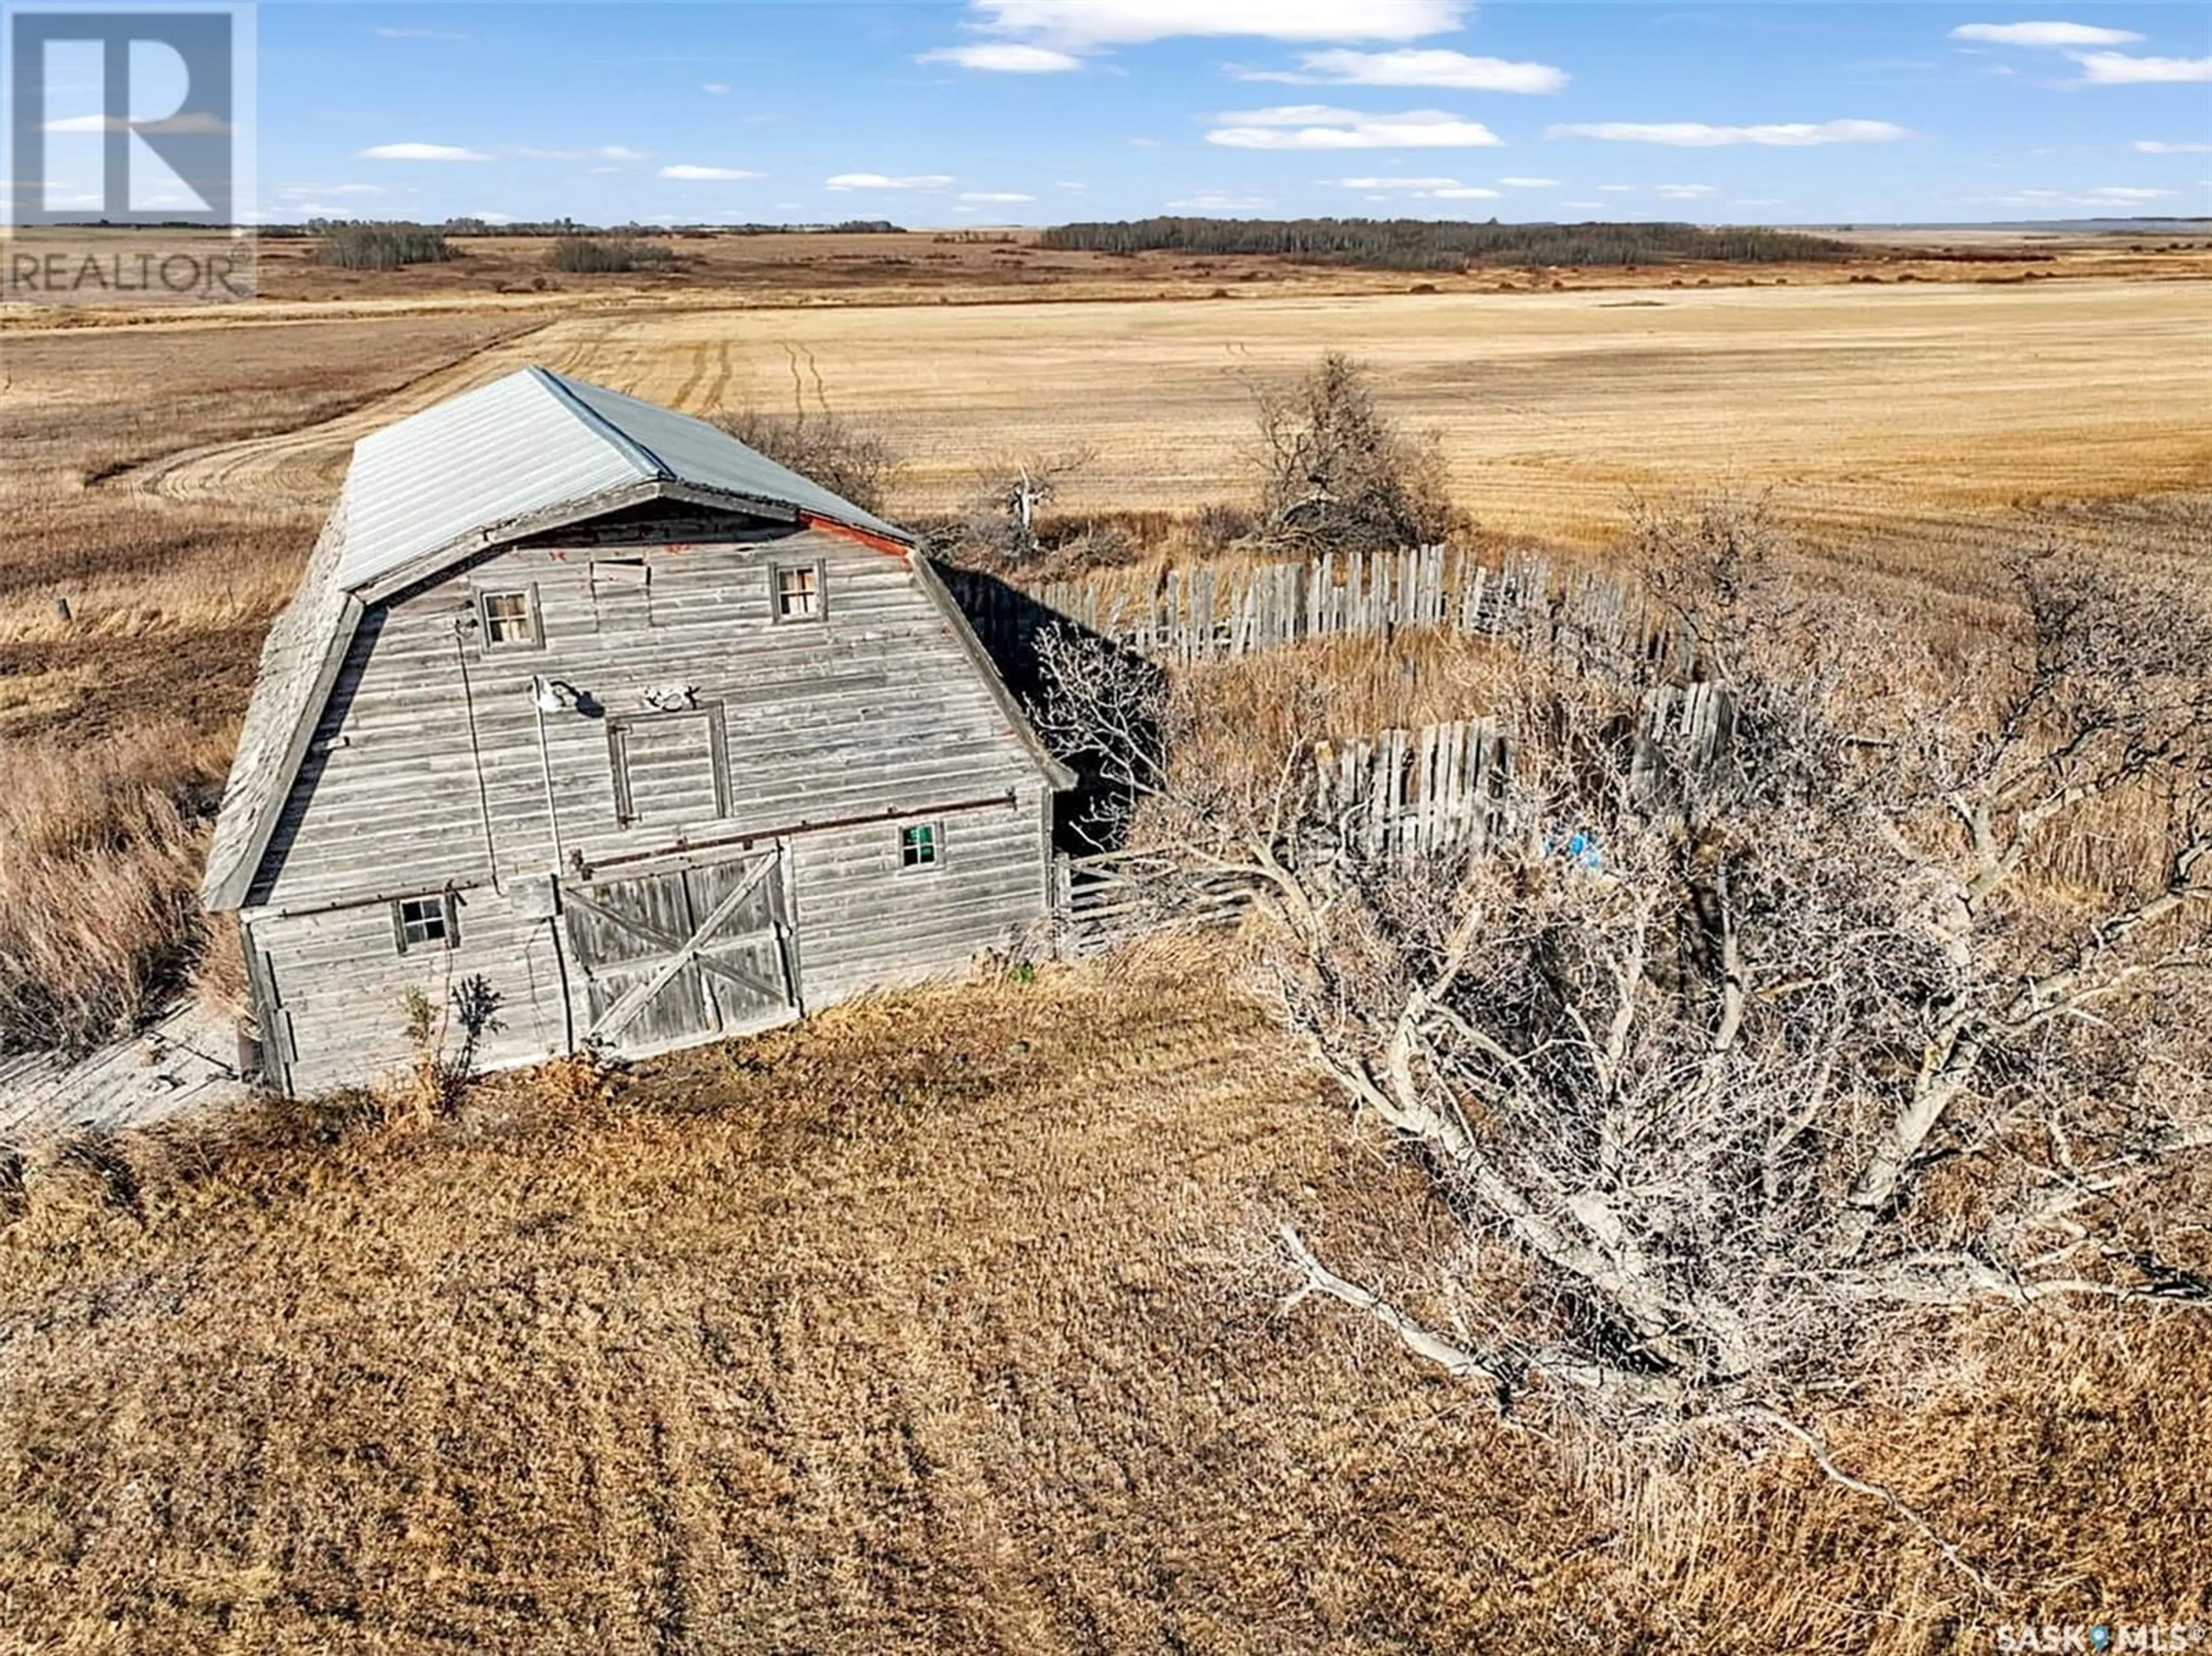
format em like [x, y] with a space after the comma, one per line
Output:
[1848, 403]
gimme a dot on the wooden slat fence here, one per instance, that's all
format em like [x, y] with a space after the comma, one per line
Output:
[1407, 793]
[1401, 794]
[1205, 611]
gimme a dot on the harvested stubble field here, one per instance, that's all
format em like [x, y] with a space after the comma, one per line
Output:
[1854, 407]
[949, 1323]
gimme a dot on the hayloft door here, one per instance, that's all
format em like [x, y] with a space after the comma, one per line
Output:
[686, 954]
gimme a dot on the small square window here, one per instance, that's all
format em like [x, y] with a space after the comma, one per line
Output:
[420, 922]
[919, 847]
[510, 619]
[798, 591]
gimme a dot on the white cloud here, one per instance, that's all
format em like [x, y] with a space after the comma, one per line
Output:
[1214, 201]
[716, 88]
[1417, 68]
[1617, 189]
[685, 170]
[994, 195]
[1585, 205]
[2117, 69]
[1698, 134]
[1080, 23]
[1144, 143]
[1005, 57]
[2110, 195]
[2158, 147]
[2044, 34]
[1293, 115]
[606, 152]
[1393, 186]
[1685, 191]
[1068, 183]
[1530, 184]
[879, 181]
[420, 152]
[488, 218]
[1316, 126]
[197, 123]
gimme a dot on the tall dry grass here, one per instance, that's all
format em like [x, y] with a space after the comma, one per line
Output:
[100, 850]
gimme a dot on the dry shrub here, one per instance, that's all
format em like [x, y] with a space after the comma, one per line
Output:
[99, 861]
[843, 456]
[1337, 473]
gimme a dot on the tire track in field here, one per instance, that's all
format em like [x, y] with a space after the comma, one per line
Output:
[707, 378]
[299, 470]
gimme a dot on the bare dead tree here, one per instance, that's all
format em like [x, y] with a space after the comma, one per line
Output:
[1805, 1050]
[1740, 1062]
[1009, 498]
[844, 456]
[1335, 472]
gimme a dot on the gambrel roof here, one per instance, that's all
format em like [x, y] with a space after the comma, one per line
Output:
[527, 453]
[535, 442]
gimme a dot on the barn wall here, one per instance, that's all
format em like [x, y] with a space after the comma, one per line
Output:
[864, 921]
[341, 982]
[426, 769]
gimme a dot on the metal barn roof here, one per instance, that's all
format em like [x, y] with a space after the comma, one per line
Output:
[525, 451]
[530, 444]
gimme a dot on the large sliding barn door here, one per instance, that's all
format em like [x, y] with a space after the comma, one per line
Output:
[681, 957]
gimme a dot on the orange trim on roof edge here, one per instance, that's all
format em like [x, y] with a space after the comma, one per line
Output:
[866, 538]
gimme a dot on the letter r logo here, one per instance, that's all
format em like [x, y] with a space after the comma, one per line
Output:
[144, 104]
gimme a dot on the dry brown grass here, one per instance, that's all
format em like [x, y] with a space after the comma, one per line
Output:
[99, 865]
[1862, 408]
[946, 1322]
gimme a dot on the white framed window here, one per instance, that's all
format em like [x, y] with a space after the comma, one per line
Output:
[509, 618]
[921, 845]
[428, 922]
[798, 590]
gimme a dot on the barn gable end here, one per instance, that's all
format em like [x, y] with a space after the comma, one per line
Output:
[682, 748]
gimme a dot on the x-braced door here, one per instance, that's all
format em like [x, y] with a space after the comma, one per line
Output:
[673, 958]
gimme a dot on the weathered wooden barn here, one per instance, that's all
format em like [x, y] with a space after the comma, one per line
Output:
[660, 740]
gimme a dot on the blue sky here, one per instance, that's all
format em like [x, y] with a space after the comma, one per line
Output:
[1039, 110]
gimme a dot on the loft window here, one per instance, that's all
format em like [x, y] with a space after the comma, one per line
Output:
[920, 845]
[509, 619]
[798, 591]
[423, 922]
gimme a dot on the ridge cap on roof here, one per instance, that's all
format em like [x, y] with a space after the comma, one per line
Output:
[564, 392]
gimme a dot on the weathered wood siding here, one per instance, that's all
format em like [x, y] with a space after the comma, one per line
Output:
[863, 921]
[340, 981]
[426, 769]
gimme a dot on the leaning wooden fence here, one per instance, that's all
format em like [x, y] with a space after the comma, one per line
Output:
[1398, 795]
[1440, 791]
[1205, 611]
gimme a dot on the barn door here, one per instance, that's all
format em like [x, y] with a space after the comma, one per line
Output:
[677, 957]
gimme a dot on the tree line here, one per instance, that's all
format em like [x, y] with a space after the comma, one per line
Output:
[1428, 245]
